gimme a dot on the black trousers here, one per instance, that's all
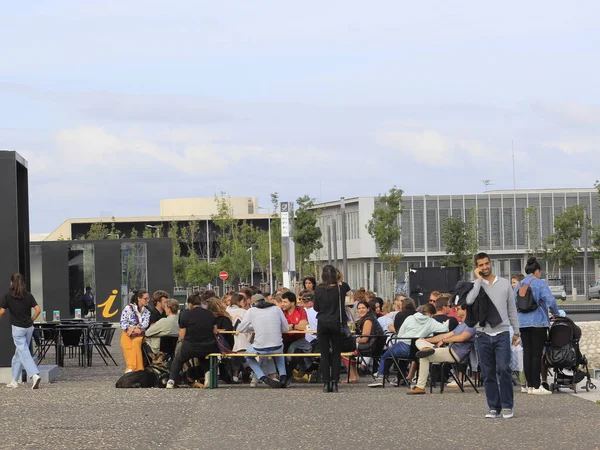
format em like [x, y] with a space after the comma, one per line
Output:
[330, 341]
[534, 340]
[187, 352]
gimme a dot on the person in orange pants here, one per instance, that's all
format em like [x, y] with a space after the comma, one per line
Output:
[135, 319]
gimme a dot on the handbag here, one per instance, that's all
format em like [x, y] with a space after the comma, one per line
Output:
[344, 328]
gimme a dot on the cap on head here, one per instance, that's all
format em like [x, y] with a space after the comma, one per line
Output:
[257, 298]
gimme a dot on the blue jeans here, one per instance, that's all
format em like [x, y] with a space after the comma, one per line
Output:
[399, 350]
[22, 359]
[494, 359]
[304, 346]
[255, 366]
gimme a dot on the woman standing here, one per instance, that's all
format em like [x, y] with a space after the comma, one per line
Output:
[135, 320]
[534, 325]
[329, 302]
[19, 303]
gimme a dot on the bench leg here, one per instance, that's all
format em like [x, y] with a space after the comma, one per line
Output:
[213, 372]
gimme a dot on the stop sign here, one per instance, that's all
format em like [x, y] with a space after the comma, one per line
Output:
[223, 275]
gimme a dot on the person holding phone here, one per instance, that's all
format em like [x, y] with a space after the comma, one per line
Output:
[493, 341]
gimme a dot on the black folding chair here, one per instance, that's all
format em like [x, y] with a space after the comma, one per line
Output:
[402, 364]
[373, 350]
[454, 368]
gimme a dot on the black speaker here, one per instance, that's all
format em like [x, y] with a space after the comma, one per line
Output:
[424, 280]
[14, 235]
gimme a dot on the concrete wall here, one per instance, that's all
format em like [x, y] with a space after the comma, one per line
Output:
[206, 206]
[590, 343]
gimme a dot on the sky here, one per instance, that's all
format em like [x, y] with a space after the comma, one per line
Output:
[119, 104]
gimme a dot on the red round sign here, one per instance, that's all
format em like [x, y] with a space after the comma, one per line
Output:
[223, 275]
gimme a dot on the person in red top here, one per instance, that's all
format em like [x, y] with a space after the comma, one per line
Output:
[298, 321]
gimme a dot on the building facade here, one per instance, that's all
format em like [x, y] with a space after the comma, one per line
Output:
[504, 223]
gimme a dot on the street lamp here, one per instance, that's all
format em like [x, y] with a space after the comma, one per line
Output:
[251, 266]
[270, 252]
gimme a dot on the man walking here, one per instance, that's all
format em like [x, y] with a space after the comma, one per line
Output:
[493, 339]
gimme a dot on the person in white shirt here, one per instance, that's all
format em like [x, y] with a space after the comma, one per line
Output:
[167, 326]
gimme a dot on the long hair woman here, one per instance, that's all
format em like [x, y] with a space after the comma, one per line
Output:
[135, 320]
[329, 302]
[534, 325]
[19, 303]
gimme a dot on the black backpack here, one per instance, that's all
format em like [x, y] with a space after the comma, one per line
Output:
[525, 301]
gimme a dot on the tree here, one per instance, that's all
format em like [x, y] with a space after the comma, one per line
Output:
[307, 235]
[114, 232]
[134, 233]
[385, 227]
[460, 239]
[97, 232]
[595, 231]
[532, 226]
[200, 272]
[560, 248]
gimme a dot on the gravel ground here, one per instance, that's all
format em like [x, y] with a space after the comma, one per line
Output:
[83, 410]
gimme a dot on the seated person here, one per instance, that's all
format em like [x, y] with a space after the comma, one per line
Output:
[224, 322]
[297, 320]
[376, 305]
[159, 301]
[461, 339]
[168, 326]
[442, 312]
[408, 309]
[369, 332]
[197, 333]
[268, 323]
[420, 324]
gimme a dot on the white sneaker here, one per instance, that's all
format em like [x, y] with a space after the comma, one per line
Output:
[36, 380]
[452, 385]
[207, 379]
[524, 390]
[376, 382]
[254, 381]
[13, 384]
[508, 413]
[170, 384]
[540, 391]
[530, 390]
[493, 414]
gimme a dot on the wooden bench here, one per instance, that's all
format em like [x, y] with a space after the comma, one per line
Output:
[214, 363]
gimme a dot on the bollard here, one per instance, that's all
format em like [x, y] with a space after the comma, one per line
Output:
[574, 294]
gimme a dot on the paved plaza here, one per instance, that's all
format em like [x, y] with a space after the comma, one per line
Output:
[83, 410]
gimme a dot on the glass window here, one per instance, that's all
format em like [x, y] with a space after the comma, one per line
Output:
[82, 278]
[134, 269]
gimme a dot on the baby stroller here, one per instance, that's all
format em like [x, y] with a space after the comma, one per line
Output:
[564, 358]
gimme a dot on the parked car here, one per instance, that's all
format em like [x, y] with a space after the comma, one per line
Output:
[594, 290]
[557, 288]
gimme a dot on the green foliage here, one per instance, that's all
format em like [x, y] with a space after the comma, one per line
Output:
[179, 267]
[560, 248]
[97, 232]
[595, 231]
[114, 233]
[307, 235]
[532, 226]
[460, 239]
[134, 233]
[385, 227]
[200, 272]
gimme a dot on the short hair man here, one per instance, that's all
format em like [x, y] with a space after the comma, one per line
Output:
[159, 300]
[268, 323]
[461, 339]
[493, 342]
[442, 312]
[298, 321]
[246, 294]
[434, 296]
[167, 326]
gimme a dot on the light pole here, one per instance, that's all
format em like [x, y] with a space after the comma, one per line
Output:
[251, 266]
[270, 252]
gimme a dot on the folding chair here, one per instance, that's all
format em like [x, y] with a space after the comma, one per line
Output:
[398, 363]
[463, 366]
[375, 354]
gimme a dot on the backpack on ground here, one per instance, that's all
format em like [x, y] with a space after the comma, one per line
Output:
[525, 300]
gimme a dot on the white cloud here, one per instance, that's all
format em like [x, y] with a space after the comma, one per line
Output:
[433, 148]
[570, 113]
[575, 145]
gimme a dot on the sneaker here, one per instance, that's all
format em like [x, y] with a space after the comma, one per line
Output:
[13, 384]
[269, 382]
[452, 385]
[508, 413]
[546, 385]
[540, 391]
[377, 382]
[235, 380]
[285, 381]
[530, 390]
[254, 381]
[415, 391]
[35, 382]
[170, 384]
[425, 353]
[493, 414]
[524, 390]
[207, 379]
